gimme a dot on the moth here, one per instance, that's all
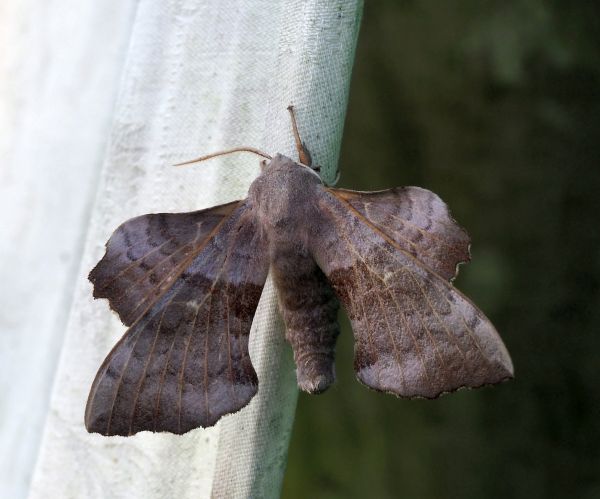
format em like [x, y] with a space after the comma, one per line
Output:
[187, 285]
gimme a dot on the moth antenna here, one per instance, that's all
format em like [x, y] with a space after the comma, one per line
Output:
[223, 153]
[303, 152]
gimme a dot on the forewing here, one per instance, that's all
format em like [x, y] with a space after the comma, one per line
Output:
[146, 254]
[185, 362]
[417, 220]
[415, 334]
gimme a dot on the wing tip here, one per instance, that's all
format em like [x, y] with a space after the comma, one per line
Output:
[94, 276]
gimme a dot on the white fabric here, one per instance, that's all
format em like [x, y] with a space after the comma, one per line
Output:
[60, 68]
[199, 76]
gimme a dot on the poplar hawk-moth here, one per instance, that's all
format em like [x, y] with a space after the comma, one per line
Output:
[187, 286]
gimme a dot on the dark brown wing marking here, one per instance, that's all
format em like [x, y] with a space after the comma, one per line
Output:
[418, 221]
[180, 366]
[146, 254]
[416, 335]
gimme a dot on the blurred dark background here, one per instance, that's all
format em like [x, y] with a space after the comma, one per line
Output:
[495, 106]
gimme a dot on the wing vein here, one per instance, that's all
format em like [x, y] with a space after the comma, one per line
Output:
[146, 364]
[137, 262]
[183, 363]
[471, 333]
[432, 235]
[148, 272]
[426, 297]
[229, 347]
[116, 391]
[186, 262]
[206, 336]
[354, 250]
[163, 374]
[411, 273]
[209, 293]
[391, 337]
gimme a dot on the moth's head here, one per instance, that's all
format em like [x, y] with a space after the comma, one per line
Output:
[290, 171]
[281, 163]
[283, 183]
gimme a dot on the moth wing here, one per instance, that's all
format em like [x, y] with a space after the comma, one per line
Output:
[184, 363]
[418, 221]
[415, 334]
[146, 254]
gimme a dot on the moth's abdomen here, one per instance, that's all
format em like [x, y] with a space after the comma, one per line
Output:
[309, 308]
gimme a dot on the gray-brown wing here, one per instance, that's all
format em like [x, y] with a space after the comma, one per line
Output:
[145, 255]
[418, 221]
[415, 334]
[185, 362]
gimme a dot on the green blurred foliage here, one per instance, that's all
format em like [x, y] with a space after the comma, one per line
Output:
[495, 106]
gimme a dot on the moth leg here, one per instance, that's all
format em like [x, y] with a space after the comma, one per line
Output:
[309, 308]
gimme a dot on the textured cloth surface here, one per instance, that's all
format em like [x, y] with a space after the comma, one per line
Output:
[60, 68]
[199, 77]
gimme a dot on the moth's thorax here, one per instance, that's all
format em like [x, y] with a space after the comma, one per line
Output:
[284, 196]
